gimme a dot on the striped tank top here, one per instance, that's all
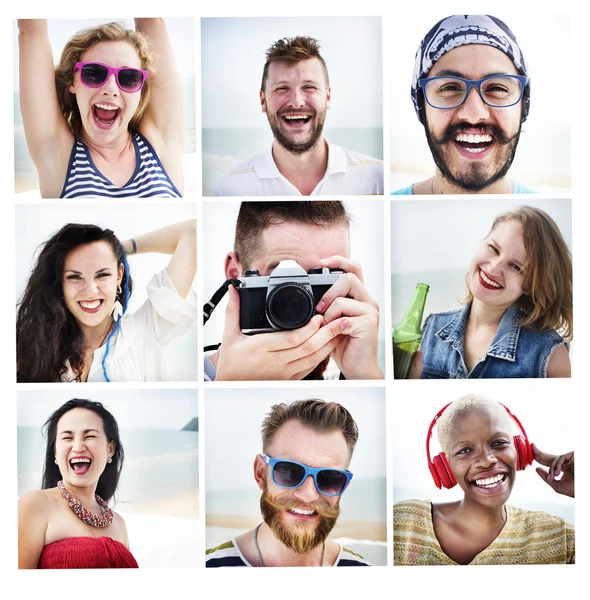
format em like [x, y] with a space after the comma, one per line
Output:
[150, 179]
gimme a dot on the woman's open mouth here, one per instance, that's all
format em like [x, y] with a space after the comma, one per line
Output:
[487, 282]
[80, 465]
[90, 306]
[490, 485]
[105, 115]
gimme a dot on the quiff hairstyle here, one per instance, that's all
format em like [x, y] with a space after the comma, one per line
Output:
[255, 217]
[75, 49]
[292, 51]
[460, 407]
[314, 413]
[548, 298]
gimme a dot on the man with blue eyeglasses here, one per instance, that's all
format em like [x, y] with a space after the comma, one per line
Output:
[303, 471]
[471, 92]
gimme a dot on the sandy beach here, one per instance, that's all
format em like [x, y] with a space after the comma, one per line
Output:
[185, 506]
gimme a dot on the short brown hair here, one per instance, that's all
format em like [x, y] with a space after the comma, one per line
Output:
[314, 413]
[72, 53]
[255, 217]
[291, 51]
[548, 299]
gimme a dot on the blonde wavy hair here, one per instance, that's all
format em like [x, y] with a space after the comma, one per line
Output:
[73, 52]
[548, 300]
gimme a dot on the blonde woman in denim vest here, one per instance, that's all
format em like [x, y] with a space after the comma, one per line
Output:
[517, 318]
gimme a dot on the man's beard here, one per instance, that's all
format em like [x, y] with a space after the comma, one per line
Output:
[475, 177]
[318, 372]
[302, 537]
[288, 144]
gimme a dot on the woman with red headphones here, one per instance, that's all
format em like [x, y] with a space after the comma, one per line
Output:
[481, 454]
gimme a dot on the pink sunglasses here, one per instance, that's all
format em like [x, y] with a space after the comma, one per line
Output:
[94, 75]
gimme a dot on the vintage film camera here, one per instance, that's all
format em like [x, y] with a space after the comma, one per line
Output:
[283, 300]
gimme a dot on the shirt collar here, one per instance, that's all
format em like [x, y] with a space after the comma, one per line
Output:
[505, 339]
[265, 166]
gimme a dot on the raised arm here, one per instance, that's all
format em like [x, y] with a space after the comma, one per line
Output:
[32, 525]
[165, 110]
[179, 240]
[46, 130]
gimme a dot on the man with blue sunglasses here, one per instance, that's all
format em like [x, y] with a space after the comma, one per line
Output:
[303, 471]
[471, 93]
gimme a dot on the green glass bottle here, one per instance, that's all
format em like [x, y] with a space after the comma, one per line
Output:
[407, 334]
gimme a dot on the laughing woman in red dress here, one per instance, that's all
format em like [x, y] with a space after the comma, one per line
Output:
[68, 523]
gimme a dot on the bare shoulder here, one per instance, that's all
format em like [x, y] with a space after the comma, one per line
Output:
[559, 363]
[120, 529]
[35, 502]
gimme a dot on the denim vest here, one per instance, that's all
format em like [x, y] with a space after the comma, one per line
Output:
[515, 351]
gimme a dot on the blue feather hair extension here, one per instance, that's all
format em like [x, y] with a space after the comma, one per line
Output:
[118, 322]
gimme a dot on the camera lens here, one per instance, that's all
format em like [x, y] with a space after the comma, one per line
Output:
[289, 306]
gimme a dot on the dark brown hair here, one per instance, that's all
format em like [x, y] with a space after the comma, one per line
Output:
[314, 413]
[47, 334]
[109, 478]
[291, 51]
[255, 217]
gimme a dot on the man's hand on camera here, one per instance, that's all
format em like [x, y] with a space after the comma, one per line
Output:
[356, 355]
[277, 355]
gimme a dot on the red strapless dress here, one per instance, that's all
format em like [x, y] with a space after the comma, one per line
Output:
[87, 553]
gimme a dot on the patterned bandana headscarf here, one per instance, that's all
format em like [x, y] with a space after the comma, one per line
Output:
[456, 31]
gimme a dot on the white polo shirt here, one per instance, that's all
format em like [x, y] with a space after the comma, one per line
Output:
[348, 173]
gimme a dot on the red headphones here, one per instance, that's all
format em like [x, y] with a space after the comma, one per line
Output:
[439, 466]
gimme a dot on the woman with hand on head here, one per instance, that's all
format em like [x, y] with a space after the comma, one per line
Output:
[481, 454]
[519, 307]
[72, 322]
[107, 121]
[68, 523]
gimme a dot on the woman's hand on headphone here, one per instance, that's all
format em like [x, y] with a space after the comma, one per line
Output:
[558, 465]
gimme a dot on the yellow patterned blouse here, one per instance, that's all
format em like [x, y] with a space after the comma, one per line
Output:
[527, 538]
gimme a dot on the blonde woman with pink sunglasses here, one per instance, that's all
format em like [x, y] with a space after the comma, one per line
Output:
[104, 122]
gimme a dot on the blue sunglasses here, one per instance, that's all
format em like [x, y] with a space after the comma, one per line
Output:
[292, 474]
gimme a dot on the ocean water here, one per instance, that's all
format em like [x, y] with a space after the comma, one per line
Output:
[24, 169]
[159, 463]
[364, 500]
[223, 149]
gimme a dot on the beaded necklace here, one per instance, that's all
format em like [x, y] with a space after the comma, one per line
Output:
[83, 513]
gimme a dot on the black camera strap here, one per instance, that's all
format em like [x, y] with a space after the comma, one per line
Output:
[210, 306]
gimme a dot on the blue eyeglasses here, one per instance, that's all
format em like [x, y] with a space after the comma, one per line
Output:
[497, 91]
[292, 474]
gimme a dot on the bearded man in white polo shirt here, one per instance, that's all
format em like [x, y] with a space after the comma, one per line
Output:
[295, 95]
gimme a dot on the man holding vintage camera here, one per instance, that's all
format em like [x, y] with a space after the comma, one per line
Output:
[345, 328]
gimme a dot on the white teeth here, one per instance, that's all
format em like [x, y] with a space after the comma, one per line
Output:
[299, 511]
[473, 138]
[489, 481]
[90, 305]
[79, 460]
[295, 117]
[488, 280]
[107, 106]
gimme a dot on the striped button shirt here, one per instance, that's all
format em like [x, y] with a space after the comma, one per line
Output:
[149, 179]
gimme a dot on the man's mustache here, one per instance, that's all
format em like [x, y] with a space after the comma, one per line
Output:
[483, 129]
[323, 509]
